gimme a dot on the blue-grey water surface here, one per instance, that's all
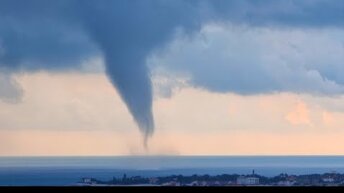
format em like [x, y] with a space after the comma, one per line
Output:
[61, 171]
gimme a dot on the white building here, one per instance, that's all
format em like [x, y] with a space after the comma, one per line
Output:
[286, 183]
[242, 180]
[328, 180]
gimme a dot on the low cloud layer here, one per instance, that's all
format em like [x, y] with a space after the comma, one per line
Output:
[255, 60]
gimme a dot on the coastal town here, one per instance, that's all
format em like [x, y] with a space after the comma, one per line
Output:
[283, 179]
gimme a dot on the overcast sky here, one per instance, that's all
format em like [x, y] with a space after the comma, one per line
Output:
[189, 77]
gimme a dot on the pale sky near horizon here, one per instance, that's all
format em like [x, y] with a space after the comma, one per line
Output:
[238, 77]
[73, 119]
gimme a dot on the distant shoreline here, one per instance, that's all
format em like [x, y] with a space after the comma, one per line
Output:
[325, 179]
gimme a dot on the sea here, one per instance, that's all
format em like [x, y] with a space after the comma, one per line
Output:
[68, 171]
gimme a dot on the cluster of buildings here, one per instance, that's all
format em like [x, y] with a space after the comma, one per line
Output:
[242, 180]
[327, 179]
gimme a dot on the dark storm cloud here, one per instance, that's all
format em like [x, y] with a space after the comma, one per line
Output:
[59, 35]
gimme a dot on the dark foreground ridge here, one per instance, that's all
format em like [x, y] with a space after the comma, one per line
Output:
[326, 179]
